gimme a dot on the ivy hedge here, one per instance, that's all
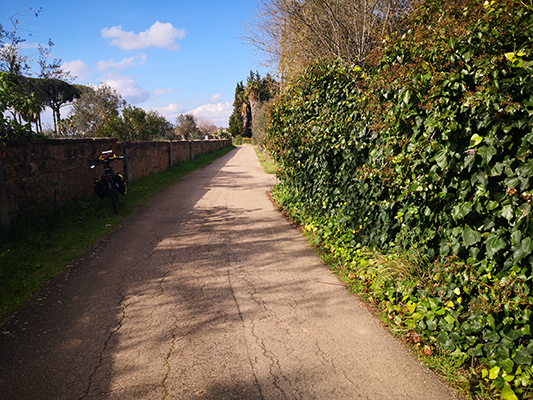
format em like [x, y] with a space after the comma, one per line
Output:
[427, 152]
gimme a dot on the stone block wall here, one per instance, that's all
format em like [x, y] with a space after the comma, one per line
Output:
[58, 170]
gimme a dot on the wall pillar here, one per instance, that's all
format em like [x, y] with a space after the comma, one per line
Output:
[128, 162]
[170, 155]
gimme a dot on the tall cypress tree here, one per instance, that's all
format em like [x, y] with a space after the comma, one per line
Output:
[236, 127]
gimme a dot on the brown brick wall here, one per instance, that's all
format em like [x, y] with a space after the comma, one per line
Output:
[58, 168]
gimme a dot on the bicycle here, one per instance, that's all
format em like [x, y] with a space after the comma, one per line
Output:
[110, 184]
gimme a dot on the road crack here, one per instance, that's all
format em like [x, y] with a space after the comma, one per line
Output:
[123, 307]
[102, 352]
[256, 380]
[169, 368]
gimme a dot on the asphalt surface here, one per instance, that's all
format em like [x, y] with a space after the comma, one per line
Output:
[207, 293]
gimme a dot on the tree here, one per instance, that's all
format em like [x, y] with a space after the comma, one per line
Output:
[186, 127]
[135, 124]
[248, 101]
[57, 94]
[206, 127]
[10, 58]
[52, 90]
[51, 70]
[94, 106]
[11, 101]
[26, 92]
[222, 133]
[259, 123]
[294, 34]
[236, 127]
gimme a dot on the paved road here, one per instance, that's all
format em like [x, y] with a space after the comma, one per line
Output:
[208, 293]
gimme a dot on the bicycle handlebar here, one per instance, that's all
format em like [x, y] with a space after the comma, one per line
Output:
[98, 161]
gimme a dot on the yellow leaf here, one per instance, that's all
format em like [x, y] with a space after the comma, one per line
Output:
[508, 393]
[510, 56]
[494, 372]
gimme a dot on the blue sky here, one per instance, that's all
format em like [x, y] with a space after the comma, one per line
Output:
[171, 56]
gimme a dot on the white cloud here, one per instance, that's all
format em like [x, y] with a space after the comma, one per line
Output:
[215, 98]
[219, 113]
[76, 68]
[162, 35]
[173, 108]
[26, 45]
[130, 90]
[157, 93]
[125, 63]
[134, 93]
[171, 111]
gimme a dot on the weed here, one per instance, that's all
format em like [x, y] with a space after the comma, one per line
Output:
[268, 164]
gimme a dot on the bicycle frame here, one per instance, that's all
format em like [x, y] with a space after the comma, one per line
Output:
[110, 183]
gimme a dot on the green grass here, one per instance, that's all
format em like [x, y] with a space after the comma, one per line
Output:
[269, 166]
[41, 244]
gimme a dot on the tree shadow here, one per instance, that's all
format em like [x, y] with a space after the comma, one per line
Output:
[207, 293]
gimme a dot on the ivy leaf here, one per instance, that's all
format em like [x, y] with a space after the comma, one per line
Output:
[522, 358]
[461, 210]
[406, 96]
[486, 153]
[475, 140]
[449, 319]
[431, 325]
[470, 236]
[497, 169]
[493, 244]
[507, 365]
[527, 245]
[526, 315]
[523, 249]
[494, 372]
[508, 212]
[440, 158]
[525, 170]
[469, 159]
[508, 393]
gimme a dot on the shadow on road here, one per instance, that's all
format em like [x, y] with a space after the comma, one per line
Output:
[207, 293]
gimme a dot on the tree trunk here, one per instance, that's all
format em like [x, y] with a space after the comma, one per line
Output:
[246, 120]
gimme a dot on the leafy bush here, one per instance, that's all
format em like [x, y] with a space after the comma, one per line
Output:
[13, 102]
[429, 154]
[135, 124]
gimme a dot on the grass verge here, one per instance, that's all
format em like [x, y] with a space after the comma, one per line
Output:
[269, 166]
[42, 243]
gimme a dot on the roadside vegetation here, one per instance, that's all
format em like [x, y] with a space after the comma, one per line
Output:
[268, 164]
[42, 244]
[411, 171]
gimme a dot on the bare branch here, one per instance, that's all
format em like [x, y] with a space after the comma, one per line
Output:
[291, 34]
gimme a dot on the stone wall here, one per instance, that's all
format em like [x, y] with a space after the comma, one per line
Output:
[58, 170]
